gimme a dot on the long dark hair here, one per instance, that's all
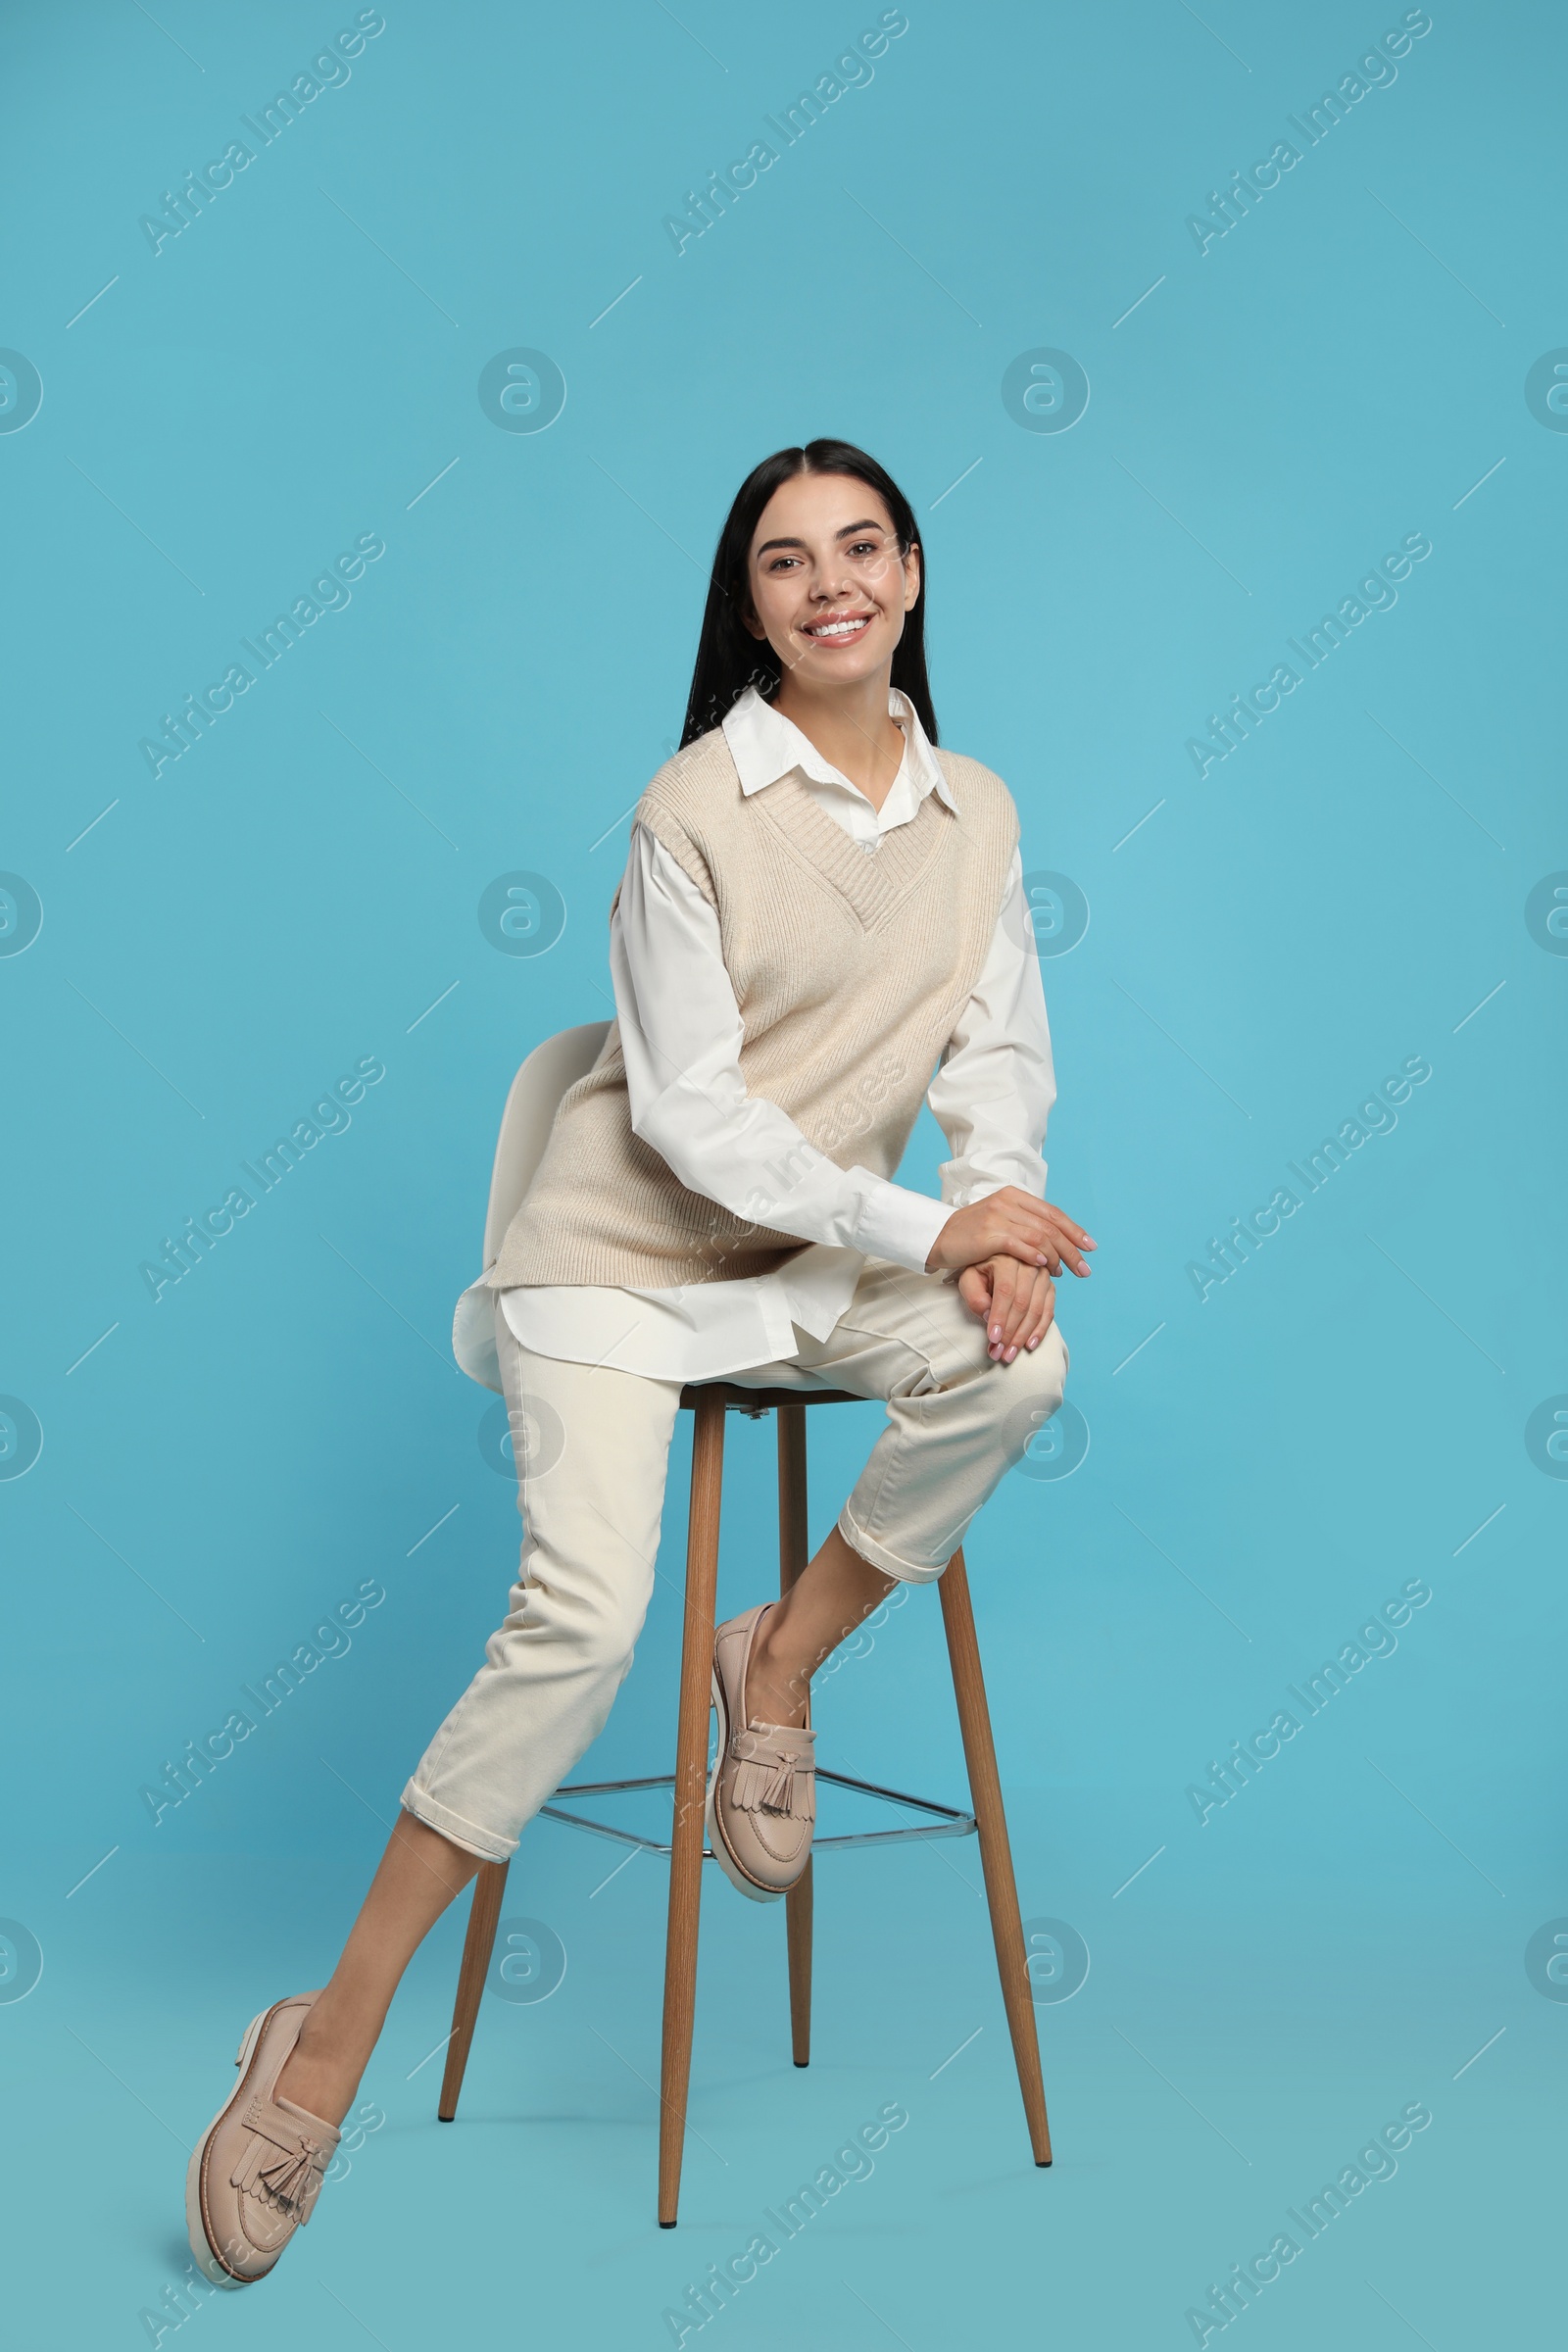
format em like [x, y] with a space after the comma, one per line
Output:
[728, 658]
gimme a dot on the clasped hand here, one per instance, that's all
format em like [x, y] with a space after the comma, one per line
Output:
[1006, 1250]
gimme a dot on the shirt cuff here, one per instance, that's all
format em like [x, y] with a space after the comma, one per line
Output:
[898, 1224]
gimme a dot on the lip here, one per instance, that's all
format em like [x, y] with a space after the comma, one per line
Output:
[841, 636]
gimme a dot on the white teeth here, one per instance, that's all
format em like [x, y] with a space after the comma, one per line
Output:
[838, 629]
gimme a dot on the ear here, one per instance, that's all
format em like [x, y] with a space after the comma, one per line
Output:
[750, 623]
[911, 577]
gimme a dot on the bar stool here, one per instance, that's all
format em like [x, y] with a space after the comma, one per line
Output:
[530, 1107]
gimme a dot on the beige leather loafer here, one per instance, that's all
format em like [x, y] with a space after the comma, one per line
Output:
[256, 2171]
[762, 1793]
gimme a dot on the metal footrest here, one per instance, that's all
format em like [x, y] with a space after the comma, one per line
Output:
[946, 1820]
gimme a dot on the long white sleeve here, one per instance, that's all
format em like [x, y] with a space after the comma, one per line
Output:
[681, 1035]
[993, 1093]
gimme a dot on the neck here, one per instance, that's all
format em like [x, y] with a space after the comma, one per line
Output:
[851, 727]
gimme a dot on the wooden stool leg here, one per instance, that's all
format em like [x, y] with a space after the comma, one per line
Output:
[798, 1935]
[792, 1552]
[691, 1787]
[484, 1914]
[995, 1854]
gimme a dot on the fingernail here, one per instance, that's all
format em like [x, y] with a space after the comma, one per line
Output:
[996, 1333]
[1034, 1343]
[1011, 1352]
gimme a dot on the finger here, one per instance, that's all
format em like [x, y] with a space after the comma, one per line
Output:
[1053, 1237]
[1070, 1227]
[1045, 1314]
[1002, 1316]
[974, 1289]
[1063, 1242]
[1040, 1320]
[988, 1230]
[1003, 1290]
[1048, 1245]
[1069, 1232]
[1017, 1314]
[1010, 1224]
[1027, 1317]
[1028, 1240]
[1056, 1236]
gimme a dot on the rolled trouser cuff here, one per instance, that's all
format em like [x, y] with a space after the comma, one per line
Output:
[908, 1572]
[487, 1844]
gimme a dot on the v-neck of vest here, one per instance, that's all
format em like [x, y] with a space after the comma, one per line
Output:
[874, 884]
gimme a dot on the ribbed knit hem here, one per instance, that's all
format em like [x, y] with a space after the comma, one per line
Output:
[485, 1843]
[880, 1557]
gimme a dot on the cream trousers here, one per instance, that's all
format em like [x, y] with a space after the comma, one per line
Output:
[591, 1447]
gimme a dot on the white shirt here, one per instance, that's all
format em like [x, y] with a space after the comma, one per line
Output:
[682, 1034]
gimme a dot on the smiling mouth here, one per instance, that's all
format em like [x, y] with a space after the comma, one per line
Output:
[842, 629]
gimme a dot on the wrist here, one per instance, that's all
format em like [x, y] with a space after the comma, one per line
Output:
[935, 1262]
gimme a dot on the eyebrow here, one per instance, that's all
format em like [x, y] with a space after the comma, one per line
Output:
[869, 523]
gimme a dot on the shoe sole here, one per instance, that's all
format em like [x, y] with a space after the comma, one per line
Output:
[734, 1870]
[209, 2260]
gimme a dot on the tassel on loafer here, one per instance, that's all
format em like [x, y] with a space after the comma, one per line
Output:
[256, 2171]
[762, 1793]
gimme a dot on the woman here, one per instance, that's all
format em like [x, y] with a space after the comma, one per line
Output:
[816, 910]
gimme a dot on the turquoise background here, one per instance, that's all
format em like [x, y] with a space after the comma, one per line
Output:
[299, 368]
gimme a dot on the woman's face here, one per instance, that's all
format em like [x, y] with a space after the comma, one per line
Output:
[829, 588]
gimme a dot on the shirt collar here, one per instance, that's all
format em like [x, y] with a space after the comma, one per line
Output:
[766, 745]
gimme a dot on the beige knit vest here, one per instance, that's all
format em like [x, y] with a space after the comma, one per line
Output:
[849, 969]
